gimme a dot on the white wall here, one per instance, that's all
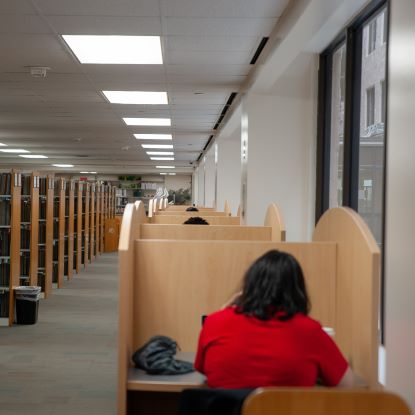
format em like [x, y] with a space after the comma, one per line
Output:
[200, 172]
[210, 178]
[229, 171]
[400, 206]
[281, 149]
[177, 182]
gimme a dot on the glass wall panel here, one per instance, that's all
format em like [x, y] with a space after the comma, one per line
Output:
[372, 127]
[337, 126]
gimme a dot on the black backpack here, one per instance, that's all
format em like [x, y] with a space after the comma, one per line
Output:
[156, 357]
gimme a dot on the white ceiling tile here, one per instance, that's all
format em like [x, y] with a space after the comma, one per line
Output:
[211, 69]
[211, 43]
[105, 25]
[218, 27]
[16, 7]
[24, 23]
[207, 58]
[221, 8]
[34, 50]
[145, 8]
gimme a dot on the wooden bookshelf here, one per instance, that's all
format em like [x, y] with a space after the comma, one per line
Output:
[101, 242]
[34, 228]
[86, 224]
[70, 191]
[79, 192]
[15, 215]
[92, 223]
[97, 220]
[49, 236]
[61, 183]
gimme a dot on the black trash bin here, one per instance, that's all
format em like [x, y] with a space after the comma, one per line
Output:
[27, 304]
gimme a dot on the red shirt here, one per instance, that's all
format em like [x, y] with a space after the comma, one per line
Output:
[238, 351]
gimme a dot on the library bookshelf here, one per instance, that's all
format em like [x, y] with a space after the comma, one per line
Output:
[49, 228]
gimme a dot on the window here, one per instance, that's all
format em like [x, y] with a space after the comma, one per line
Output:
[371, 39]
[370, 106]
[351, 121]
[337, 126]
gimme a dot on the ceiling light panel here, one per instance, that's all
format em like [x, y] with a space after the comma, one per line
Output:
[165, 167]
[161, 158]
[3, 145]
[14, 150]
[122, 50]
[136, 97]
[148, 121]
[153, 136]
[62, 165]
[157, 145]
[33, 156]
[160, 153]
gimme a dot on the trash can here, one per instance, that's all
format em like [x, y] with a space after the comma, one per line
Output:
[27, 304]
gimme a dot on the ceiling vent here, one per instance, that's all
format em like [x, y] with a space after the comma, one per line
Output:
[225, 109]
[39, 71]
[260, 48]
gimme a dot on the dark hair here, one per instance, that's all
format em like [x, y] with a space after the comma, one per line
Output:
[192, 209]
[273, 284]
[195, 220]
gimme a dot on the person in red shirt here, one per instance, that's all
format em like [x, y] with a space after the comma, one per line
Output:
[265, 337]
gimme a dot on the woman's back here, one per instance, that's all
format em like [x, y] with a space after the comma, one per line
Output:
[240, 351]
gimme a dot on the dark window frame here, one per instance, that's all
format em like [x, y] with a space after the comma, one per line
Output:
[353, 35]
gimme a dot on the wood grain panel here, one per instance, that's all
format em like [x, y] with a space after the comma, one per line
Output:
[188, 214]
[357, 290]
[322, 401]
[212, 220]
[197, 277]
[274, 219]
[218, 232]
[130, 231]
[184, 207]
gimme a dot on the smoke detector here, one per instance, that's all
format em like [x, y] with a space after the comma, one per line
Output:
[39, 71]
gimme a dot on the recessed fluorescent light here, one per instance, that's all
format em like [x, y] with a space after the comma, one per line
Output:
[157, 145]
[165, 167]
[172, 174]
[84, 172]
[163, 174]
[33, 156]
[136, 97]
[3, 145]
[116, 49]
[160, 153]
[161, 158]
[14, 150]
[93, 172]
[148, 121]
[153, 136]
[62, 165]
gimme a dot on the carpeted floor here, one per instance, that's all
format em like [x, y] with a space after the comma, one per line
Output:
[67, 362]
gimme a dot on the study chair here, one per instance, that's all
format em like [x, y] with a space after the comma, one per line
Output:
[323, 401]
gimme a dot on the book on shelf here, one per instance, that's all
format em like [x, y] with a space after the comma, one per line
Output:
[5, 183]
